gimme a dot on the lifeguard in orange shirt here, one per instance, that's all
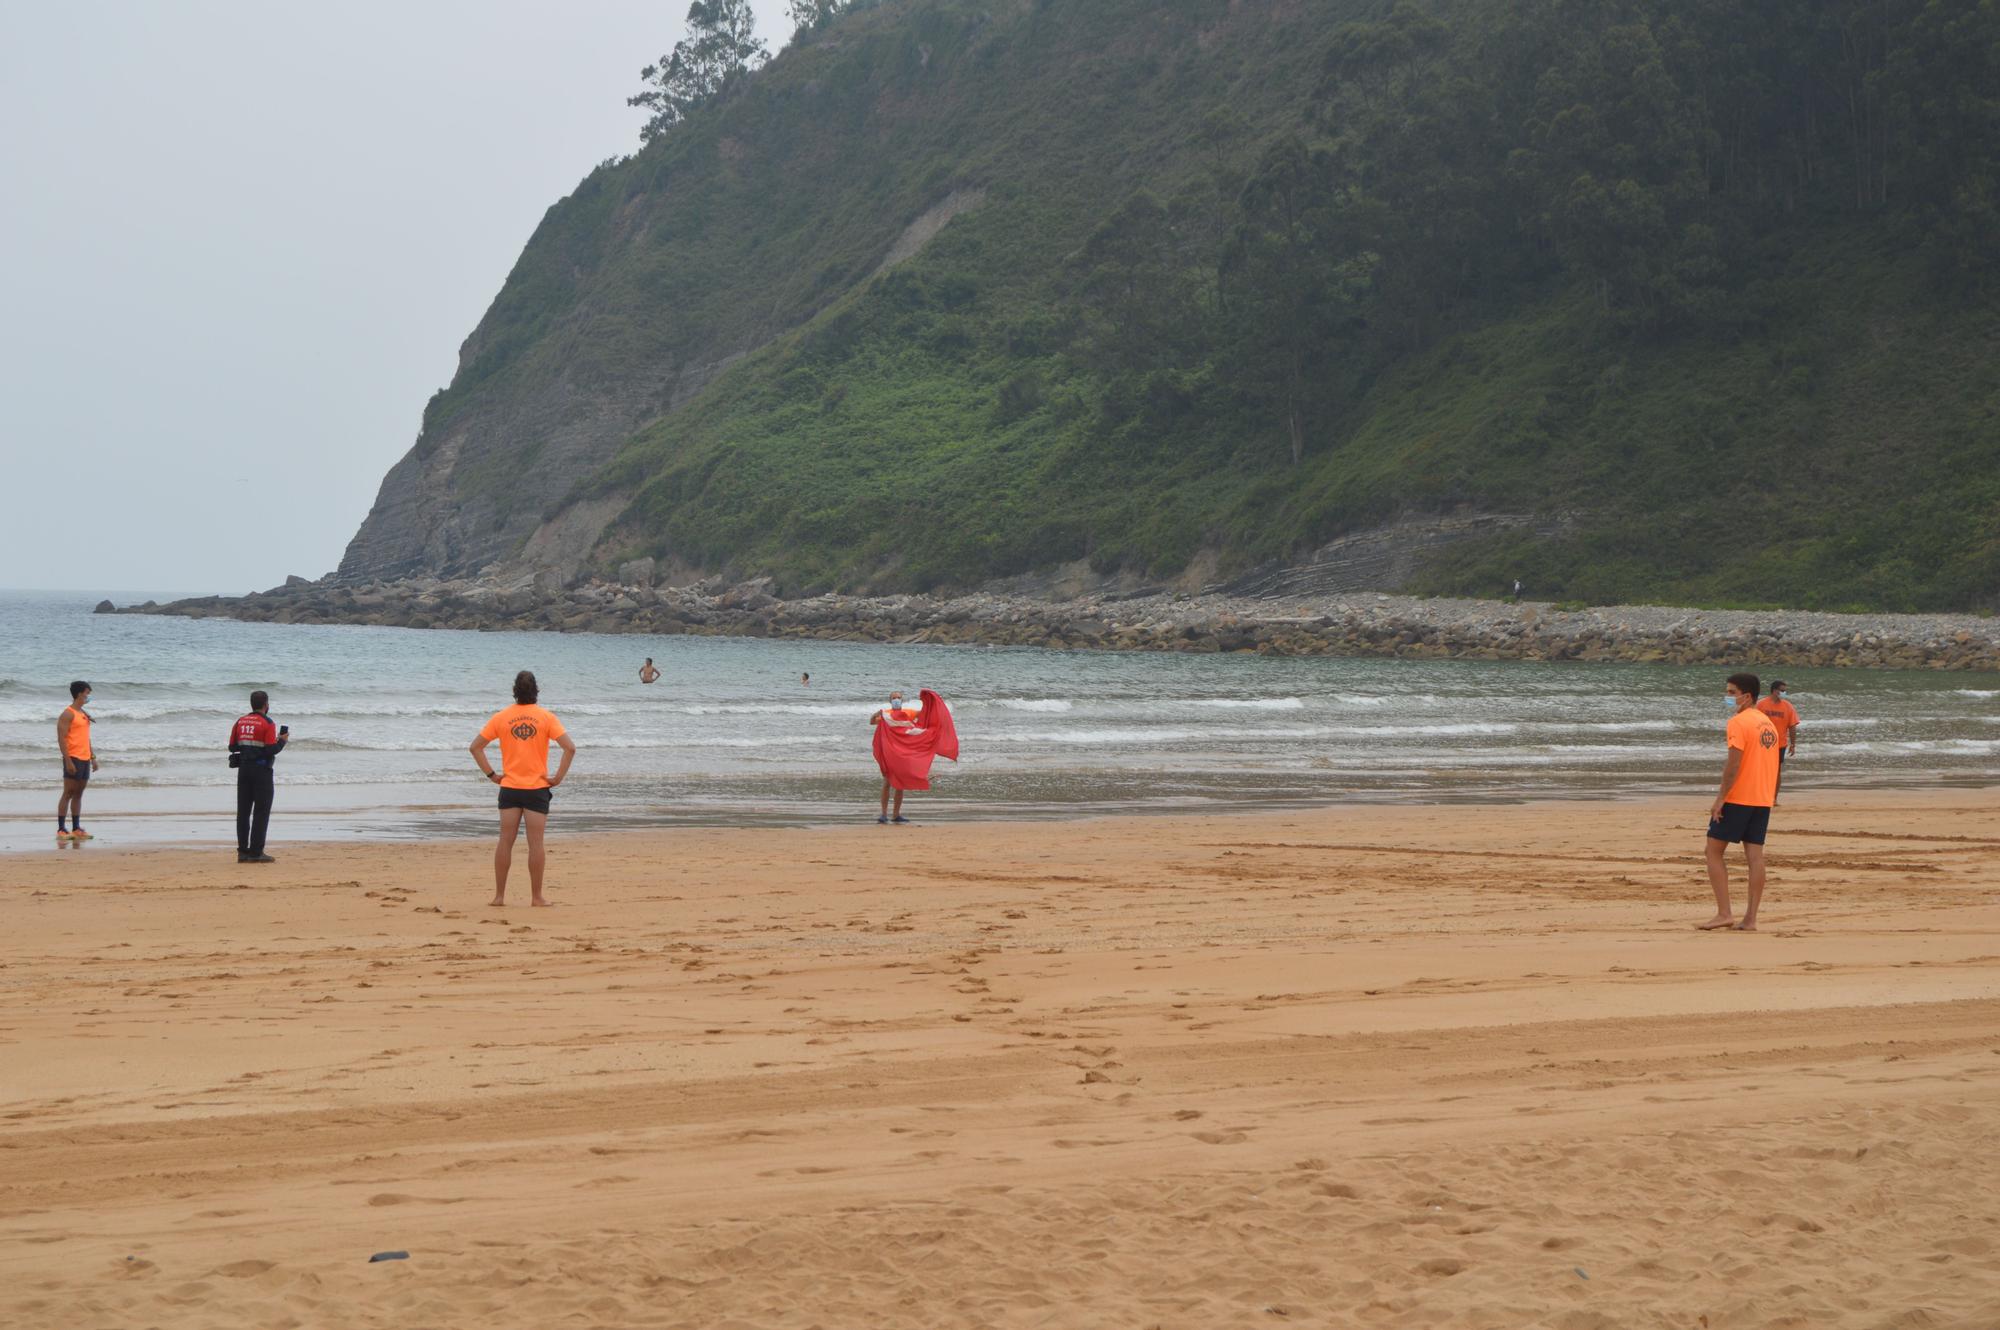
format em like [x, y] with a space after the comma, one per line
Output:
[1785, 718]
[525, 731]
[1742, 809]
[79, 760]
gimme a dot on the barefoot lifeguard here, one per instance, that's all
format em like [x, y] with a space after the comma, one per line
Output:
[1742, 807]
[525, 731]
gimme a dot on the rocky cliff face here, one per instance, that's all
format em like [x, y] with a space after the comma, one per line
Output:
[659, 274]
[753, 232]
[530, 448]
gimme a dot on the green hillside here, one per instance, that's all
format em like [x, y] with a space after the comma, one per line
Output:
[1702, 289]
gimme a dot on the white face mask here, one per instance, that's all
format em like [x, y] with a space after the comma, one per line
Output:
[896, 704]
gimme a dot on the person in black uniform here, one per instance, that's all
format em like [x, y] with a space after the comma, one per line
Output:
[254, 744]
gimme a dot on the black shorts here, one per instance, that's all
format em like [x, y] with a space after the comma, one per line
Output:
[77, 769]
[530, 801]
[1740, 822]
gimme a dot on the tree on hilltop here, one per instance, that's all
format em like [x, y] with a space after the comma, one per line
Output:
[812, 15]
[721, 44]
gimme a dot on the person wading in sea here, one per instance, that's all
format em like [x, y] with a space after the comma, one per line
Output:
[79, 759]
[1742, 809]
[525, 731]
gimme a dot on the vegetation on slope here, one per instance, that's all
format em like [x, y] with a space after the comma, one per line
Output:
[1695, 284]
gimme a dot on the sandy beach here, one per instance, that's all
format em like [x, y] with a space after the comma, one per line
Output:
[1465, 1066]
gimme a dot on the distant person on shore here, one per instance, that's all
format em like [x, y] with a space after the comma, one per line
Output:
[906, 741]
[1517, 588]
[1742, 809]
[1786, 718]
[647, 674]
[254, 745]
[79, 759]
[525, 731]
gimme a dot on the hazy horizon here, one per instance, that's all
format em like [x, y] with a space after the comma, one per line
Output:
[249, 242]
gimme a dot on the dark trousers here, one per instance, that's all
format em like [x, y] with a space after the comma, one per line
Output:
[253, 807]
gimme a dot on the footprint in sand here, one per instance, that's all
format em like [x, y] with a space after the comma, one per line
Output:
[243, 1269]
[807, 1169]
[1221, 1137]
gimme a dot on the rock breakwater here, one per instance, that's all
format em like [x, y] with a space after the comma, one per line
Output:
[1362, 624]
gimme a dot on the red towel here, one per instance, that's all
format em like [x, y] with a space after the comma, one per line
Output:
[905, 752]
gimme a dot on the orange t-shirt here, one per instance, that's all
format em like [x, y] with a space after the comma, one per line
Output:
[525, 732]
[1783, 715]
[1752, 732]
[76, 744]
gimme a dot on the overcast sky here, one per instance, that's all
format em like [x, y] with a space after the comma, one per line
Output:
[242, 242]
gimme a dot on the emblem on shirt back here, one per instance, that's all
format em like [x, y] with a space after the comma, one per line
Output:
[525, 729]
[1769, 738]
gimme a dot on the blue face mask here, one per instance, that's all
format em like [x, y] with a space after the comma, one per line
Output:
[1729, 700]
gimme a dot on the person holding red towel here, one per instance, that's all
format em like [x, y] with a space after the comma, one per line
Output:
[906, 741]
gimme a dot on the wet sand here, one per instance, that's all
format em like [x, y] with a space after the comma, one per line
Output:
[1462, 1067]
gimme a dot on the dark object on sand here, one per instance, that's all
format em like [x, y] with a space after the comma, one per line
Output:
[389, 1256]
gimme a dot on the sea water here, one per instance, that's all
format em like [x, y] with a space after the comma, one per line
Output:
[381, 719]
